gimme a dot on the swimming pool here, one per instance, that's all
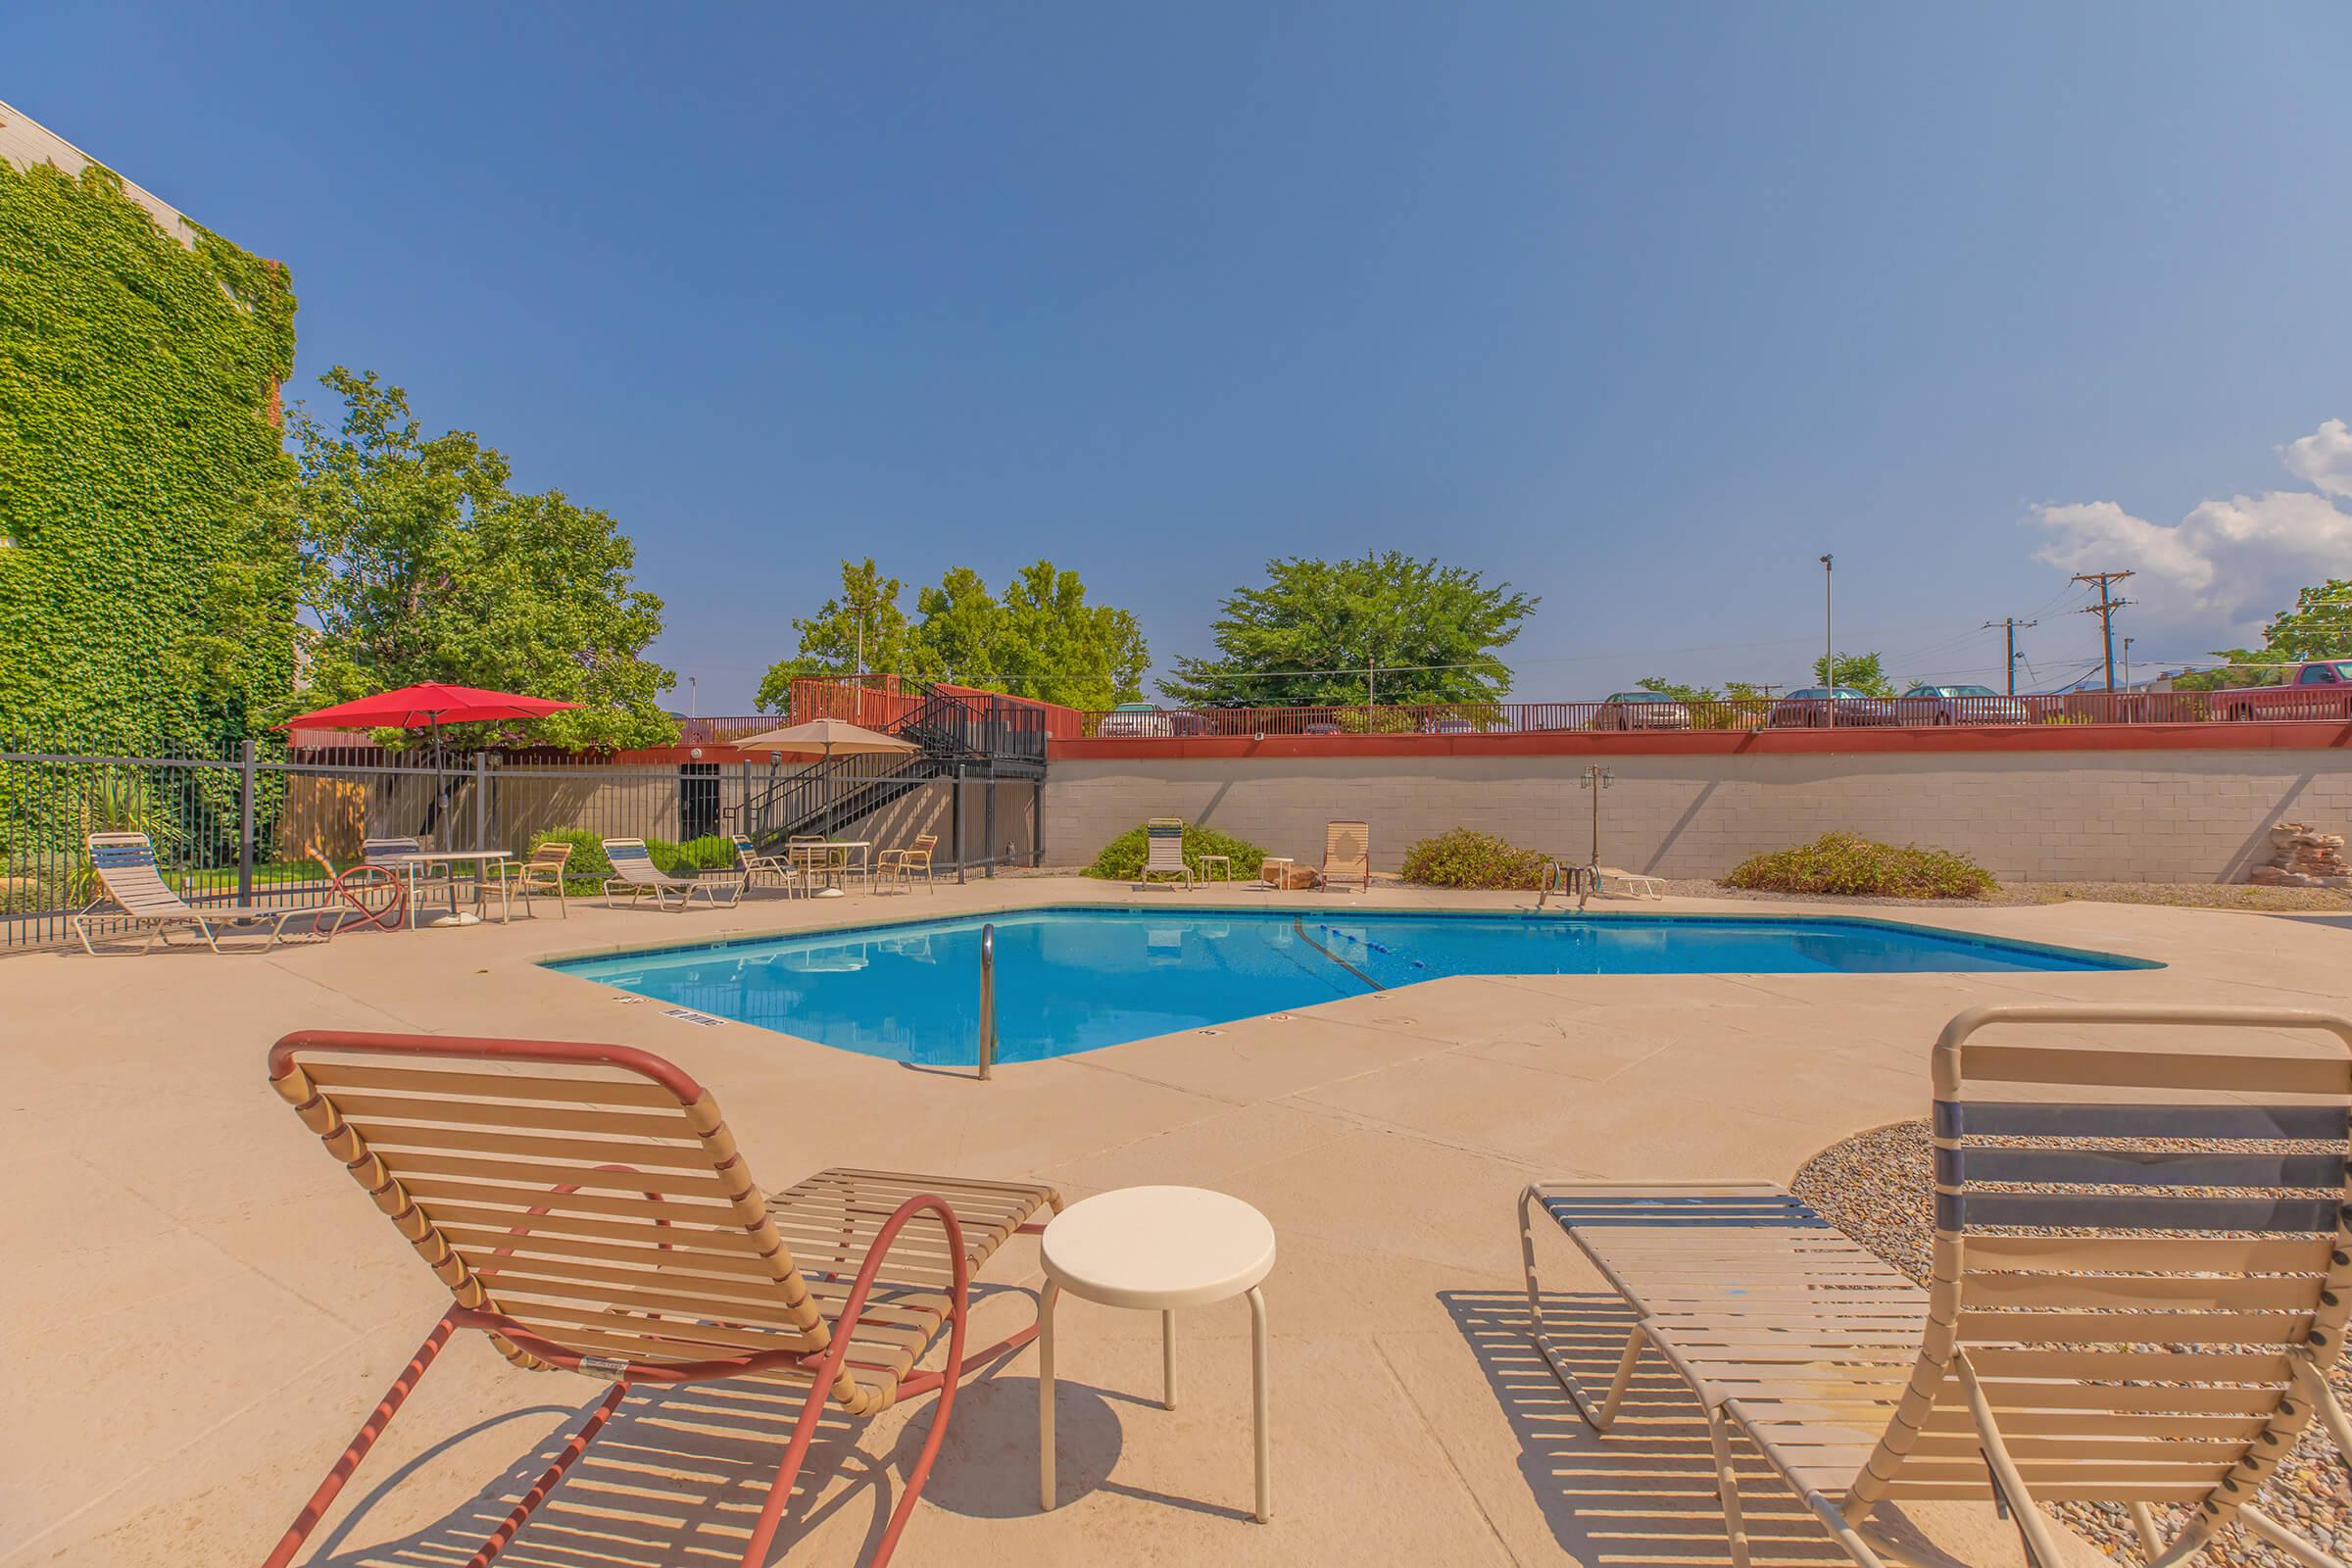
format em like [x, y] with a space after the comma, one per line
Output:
[1072, 979]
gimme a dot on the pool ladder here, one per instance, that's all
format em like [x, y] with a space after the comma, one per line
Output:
[988, 1001]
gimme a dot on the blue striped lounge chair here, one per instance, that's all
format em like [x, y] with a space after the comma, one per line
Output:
[634, 872]
[2141, 1272]
[135, 886]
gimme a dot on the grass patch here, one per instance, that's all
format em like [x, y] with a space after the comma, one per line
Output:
[1851, 865]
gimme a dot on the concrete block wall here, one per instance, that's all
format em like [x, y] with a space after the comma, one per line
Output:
[2059, 815]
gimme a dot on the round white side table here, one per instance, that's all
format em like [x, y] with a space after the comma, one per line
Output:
[1156, 1248]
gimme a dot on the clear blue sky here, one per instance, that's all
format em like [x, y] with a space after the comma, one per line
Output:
[1641, 308]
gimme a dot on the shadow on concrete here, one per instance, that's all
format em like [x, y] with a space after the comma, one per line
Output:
[679, 1476]
[1645, 1493]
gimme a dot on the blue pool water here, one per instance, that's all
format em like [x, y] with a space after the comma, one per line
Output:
[1076, 979]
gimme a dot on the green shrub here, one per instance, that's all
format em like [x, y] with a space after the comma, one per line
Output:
[587, 869]
[1848, 864]
[1466, 857]
[1122, 858]
[710, 853]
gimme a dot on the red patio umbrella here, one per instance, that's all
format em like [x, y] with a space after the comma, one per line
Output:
[426, 704]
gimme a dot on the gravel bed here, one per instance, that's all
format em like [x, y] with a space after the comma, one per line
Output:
[1877, 1188]
[2175, 895]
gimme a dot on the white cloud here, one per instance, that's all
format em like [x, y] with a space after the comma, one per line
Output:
[2324, 459]
[2225, 568]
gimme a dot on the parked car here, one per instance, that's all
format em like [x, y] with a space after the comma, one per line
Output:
[1447, 725]
[1641, 711]
[2320, 689]
[1321, 726]
[1810, 708]
[1133, 720]
[1960, 705]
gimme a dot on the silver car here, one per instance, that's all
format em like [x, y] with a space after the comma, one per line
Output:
[1960, 705]
[1641, 711]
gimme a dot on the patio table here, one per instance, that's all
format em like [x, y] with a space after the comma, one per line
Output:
[410, 866]
[836, 870]
[1156, 1248]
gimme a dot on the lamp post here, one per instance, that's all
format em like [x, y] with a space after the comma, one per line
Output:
[1829, 651]
[1596, 778]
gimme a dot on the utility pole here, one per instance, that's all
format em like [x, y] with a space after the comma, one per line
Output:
[2127, 661]
[2105, 609]
[694, 698]
[1371, 681]
[1829, 651]
[2009, 625]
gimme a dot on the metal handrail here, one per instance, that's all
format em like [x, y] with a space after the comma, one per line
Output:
[988, 1001]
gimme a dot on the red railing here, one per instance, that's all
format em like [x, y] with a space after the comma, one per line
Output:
[1741, 714]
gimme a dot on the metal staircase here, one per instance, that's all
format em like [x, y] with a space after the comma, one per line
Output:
[958, 737]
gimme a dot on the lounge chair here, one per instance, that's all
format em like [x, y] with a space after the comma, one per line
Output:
[537, 877]
[754, 865]
[1348, 853]
[1164, 840]
[2063, 1350]
[633, 868]
[1631, 884]
[588, 1211]
[126, 870]
[905, 863]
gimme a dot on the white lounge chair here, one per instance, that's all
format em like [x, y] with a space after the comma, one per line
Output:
[634, 871]
[126, 866]
[1163, 839]
[2110, 1315]
[1631, 884]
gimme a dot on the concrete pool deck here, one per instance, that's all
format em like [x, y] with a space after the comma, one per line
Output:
[202, 1308]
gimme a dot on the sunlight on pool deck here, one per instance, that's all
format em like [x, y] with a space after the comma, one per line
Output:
[205, 1308]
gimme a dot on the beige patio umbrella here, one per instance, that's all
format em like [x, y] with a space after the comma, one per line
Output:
[826, 736]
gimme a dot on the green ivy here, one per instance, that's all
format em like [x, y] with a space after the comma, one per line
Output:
[144, 604]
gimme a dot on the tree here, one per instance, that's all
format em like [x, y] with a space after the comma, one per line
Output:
[1040, 638]
[2319, 626]
[1861, 672]
[415, 561]
[1054, 646]
[863, 629]
[1332, 632]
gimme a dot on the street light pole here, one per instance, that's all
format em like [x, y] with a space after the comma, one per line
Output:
[1828, 650]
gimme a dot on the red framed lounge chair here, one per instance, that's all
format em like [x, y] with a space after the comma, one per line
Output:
[588, 1211]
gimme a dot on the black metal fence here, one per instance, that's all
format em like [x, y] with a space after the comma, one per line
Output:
[249, 826]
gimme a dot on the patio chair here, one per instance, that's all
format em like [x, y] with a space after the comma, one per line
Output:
[536, 877]
[588, 1211]
[374, 894]
[1164, 840]
[905, 863]
[2112, 1315]
[1348, 853]
[633, 868]
[124, 863]
[753, 864]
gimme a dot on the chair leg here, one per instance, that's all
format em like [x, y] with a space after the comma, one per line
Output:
[497, 1540]
[1600, 1417]
[1726, 1486]
[372, 1428]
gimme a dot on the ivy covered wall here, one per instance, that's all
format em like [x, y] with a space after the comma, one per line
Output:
[145, 595]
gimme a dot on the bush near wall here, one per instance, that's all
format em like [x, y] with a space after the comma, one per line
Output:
[1122, 858]
[1466, 857]
[1849, 864]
